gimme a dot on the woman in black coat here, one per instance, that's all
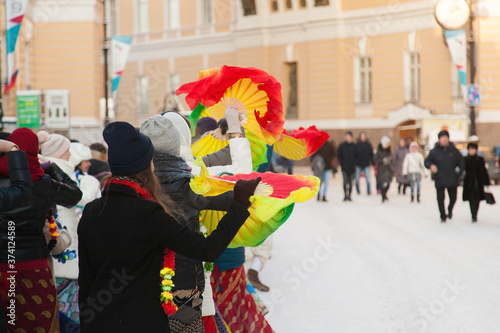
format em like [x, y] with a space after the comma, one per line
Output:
[23, 246]
[385, 172]
[126, 236]
[476, 178]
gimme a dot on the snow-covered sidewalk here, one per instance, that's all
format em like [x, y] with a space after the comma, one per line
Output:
[364, 266]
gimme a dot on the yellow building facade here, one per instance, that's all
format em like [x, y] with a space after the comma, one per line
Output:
[373, 65]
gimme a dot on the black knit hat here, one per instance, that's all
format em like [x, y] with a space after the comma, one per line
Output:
[444, 133]
[472, 145]
[129, 150]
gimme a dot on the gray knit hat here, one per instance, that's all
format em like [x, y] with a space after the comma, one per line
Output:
[162, 133]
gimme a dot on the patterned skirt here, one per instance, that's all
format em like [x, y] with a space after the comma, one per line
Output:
[237, 306]
[67, 295]
[29, 299]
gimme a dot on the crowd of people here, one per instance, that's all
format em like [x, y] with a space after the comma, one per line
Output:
[107, 238]
[407, 165]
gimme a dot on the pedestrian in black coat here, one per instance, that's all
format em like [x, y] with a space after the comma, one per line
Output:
[347, 160]
[364, 159]
[476, 178]
[385, 171]
[123, 237]
[447, 165]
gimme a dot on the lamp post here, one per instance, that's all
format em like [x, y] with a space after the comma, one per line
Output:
[472, 60]
[105, 50]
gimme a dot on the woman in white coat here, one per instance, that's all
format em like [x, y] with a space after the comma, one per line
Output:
[57, 149]
[414, 169]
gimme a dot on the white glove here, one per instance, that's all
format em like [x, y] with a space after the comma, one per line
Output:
[233, 120]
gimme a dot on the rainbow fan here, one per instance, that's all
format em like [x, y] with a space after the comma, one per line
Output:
[301, 143]
[272, 202]
[215, 141]
[255, 93]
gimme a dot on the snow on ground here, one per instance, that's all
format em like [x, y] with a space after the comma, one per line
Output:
[364, 266]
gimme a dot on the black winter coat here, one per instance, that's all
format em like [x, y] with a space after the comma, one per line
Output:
[364, 154]
[20, 179]
[450, 164]
[347, 156]
[30, 217]
[385, 170]
[476, 178]
[122, 238]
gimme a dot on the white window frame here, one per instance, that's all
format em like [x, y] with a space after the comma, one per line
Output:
[143, 95]
[174, 14]
[208, 11]
[412, 76]
[363, 78]
[142, 16]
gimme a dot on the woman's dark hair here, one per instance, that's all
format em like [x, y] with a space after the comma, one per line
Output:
[223, 126]
[99, 147]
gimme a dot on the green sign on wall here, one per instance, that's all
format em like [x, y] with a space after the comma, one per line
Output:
[28, 110]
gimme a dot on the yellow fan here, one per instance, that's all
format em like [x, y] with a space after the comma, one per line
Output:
[291, 148]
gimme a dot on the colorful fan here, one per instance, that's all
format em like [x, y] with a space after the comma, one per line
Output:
[270, 203]
[215, 141]
[301, 143]
[256, 91]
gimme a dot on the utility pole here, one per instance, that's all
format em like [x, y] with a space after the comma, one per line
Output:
[472, 59]
[105, 50]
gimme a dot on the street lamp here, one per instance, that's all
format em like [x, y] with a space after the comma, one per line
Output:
[453, 15]
[105, 50]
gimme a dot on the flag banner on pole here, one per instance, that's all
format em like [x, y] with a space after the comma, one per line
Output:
[14, 13]
[457, 43]
[11, 83]
[120, 48]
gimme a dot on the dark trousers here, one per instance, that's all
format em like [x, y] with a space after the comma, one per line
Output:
[474, 207]
[348, 181]
[452, 193]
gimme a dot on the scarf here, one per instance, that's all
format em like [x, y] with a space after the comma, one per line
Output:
[166, 274]
[170, 167]
[27, 141]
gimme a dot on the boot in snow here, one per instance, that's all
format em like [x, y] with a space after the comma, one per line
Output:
[412, 198]
[418, 198]
[253, 277]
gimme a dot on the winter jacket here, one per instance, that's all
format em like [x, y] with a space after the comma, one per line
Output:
[476, 178]
[449, 162]
[399, 157]
[328, 153]
[364, 154]
[70, 216]
[347, 156]
[122, 240]
[414, 164]
[385, 169]
[241, 158]
[30, 217]
[221, 157]
[174, 176]
[21, 187]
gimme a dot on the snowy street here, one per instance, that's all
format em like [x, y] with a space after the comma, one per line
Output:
[364, 266]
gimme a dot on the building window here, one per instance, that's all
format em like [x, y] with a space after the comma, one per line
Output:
[412, 77]
[363, 79]
[207, 11]
[293, 105]
[456, 87]
[274, 6]
[142, 10]
[143, 105]
[321, 3]
[174, 14]
[249, 7]
[288, 4]
[303, 3]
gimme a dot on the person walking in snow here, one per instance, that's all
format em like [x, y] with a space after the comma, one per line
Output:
[413, 169]
[347, 158]
[322, 164]
[364, 158]
[399, 156]
[446, 164]
[476, 178]
[385, 170]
